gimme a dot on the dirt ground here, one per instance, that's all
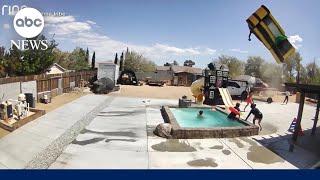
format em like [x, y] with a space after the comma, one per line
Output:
[56, 102]
[59, 101]
[173, 92]
[145, 91]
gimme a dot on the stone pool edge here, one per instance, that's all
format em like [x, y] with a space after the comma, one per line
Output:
[201, 133]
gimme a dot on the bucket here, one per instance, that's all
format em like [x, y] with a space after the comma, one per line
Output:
[30, 99]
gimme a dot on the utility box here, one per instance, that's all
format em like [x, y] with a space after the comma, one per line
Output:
[108, 70]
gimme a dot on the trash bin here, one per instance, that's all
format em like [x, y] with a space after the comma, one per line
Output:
[30, 100]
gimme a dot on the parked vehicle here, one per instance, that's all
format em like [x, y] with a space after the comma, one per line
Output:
[238, 88]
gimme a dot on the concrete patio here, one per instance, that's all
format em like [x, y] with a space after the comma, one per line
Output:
[117, 133]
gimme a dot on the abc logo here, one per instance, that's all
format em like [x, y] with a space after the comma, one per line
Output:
[28, 22]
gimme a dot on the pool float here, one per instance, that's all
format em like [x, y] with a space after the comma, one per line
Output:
[196, 90]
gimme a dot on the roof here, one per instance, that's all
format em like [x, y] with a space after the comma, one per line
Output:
[308, 88]
[59, 67]
[180, 69]
[163, 68]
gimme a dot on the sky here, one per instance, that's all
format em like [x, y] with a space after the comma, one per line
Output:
[167, 30]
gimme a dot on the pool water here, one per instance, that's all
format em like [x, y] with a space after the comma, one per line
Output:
[188, 118]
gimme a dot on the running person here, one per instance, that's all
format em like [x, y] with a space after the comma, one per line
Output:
[286, 99]
[257, 115]
[249, 100]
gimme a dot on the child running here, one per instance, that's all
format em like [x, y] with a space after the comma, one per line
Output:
[257, 115]
[249, 100]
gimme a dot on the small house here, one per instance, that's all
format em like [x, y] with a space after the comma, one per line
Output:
[181, 75]
[56, 69]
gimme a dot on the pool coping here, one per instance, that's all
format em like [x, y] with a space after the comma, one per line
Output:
[179, 132]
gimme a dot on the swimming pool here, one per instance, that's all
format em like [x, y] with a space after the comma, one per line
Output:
[188, 117]
[214, 124]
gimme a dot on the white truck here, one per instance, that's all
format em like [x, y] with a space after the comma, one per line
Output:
[238, 88]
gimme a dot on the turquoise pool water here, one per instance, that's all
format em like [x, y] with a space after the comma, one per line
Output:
[187, 117]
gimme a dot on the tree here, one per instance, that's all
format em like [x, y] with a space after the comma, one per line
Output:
[87, 55]
[116, 59]
[253, 66]
[78, 60]
[313, 73]
[121, 62]
[93, 60]
[289, 67]
[31, 61]
[167, 64]
[137, 62]
[235, 66]
[189, 63]
[297, 60]
[174, 63]
[2, 61]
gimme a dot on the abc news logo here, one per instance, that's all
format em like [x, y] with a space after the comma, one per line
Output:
[29, 23]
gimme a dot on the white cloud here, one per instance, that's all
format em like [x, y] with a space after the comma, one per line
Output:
[6, 26]
[67, 28]
[58, 19]
[295, 40]
[91, 22]
[239, 51]
[210, 51]
[82, 33]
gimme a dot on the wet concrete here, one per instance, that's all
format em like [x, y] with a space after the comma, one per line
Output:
[207, 162]
[112, 133]
[173, 145]
[260, 154]
[217, 147]
[126, 140]
[198, 146]
[226, 152]
[268, 128]
[237, 142]
[86, 142]
[256, 153]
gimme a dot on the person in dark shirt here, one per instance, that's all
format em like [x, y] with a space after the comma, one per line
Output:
[233, 115]
[257, 115]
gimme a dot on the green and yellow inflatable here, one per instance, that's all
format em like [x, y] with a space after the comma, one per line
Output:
[264, 26]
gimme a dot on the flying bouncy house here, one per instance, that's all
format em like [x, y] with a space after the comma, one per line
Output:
[265, 27]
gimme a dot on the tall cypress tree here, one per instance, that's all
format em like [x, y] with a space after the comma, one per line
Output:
[116, 59]
[87, 55]
[93, 60]
[121, 62]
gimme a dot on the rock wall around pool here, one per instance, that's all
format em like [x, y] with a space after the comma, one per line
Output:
[200, 133]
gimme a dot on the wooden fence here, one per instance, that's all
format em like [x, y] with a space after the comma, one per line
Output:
[54, 82]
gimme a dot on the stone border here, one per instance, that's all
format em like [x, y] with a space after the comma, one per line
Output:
[199, 133]
[44, 159]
